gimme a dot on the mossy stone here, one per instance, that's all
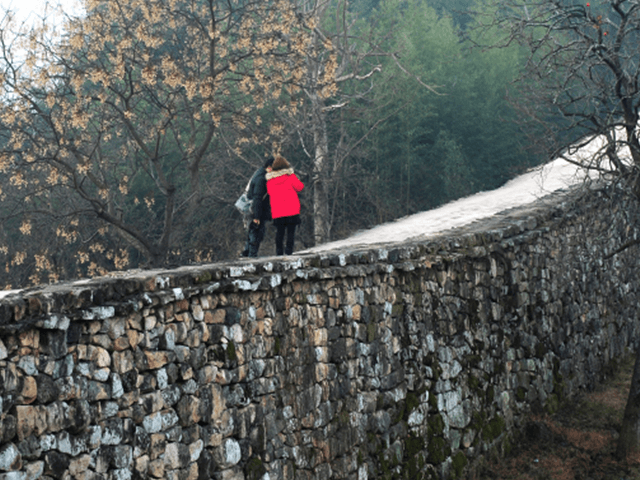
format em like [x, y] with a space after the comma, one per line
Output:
[204, 277]
[436, 426]
[494, 428]
[254, 469]
[458, 464]
[371, 332]
[231, 352]
[438, 450]
[552, 404]
[397, 310]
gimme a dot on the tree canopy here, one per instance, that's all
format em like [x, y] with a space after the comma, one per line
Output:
[115, 125]
[126, 138]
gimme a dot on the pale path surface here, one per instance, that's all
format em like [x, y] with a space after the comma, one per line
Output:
[522, 190]
[554, 176]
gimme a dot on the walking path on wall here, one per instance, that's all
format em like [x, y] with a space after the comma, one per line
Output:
[553, 177]
[550, 178]
[527, 188]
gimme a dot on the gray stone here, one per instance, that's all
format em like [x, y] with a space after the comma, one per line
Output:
[311, 367]
[10, 458]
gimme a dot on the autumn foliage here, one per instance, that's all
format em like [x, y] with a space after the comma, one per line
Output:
[117, 131]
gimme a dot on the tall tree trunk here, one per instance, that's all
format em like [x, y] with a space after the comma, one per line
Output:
[321, 217]
[629, 441]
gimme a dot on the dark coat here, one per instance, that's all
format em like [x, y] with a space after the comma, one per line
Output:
[258, 193]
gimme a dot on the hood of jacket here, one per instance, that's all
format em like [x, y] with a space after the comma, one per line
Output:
[279, 173]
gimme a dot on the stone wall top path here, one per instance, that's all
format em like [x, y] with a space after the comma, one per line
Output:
[19, 309]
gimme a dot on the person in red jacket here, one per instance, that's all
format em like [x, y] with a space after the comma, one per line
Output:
[283, 186]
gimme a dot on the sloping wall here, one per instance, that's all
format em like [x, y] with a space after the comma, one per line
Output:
[407, 361]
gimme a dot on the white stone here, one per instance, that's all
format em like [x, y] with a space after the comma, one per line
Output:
[117, 390]
[48, 442]
[153, 423]
[169, 419]
[55, 322]
[163, 379]
[99, 313]
[110, 409]
[363, 472]
[232, 452]
[236, 272]
[416, 418]
[195, 449]
[84, 369]
[458, 417]
[28, 365]
[9, 456]
[287, 412]
[236, 334]
[102, 374]
[34, 470]
[505, 399]
[121, 474]
[178, 293]
[14, 476]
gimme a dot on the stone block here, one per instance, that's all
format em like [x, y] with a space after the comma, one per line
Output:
[34, 470]
[4, 353]
[29, 390]
[124, 343]
[56, 464]
[25, 420]
[10, 458]
[176, 456]
[189, 410]
[112, 431]
[231, 474]
[195, 450]
[156, 360]
[97, 391]
[228, 454]
[54, 343]
[123, 457]
[123, 362]
[156, 469]
[157, 446]
[79, 465]
[141, 465]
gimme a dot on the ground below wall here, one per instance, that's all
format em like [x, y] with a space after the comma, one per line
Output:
[402, 361]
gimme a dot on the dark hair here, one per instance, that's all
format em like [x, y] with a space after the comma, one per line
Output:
[280, 163]
[268, 162]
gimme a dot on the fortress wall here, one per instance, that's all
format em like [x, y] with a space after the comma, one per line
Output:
[405, 361]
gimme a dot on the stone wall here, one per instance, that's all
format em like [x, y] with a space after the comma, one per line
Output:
[406, 361]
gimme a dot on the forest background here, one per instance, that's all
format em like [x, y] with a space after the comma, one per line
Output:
[127, 136]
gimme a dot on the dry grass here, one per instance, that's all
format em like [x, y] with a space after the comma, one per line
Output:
[576, 443]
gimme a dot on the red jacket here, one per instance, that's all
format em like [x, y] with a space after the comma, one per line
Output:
[283, 187]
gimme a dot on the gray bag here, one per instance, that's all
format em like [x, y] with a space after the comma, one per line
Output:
[244, 203]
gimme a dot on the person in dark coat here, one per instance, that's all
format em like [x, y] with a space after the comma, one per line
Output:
[283, 186]
[261, 209]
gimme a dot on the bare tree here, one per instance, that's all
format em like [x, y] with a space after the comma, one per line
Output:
[342, 61]
[123, 114]
[582, 84]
